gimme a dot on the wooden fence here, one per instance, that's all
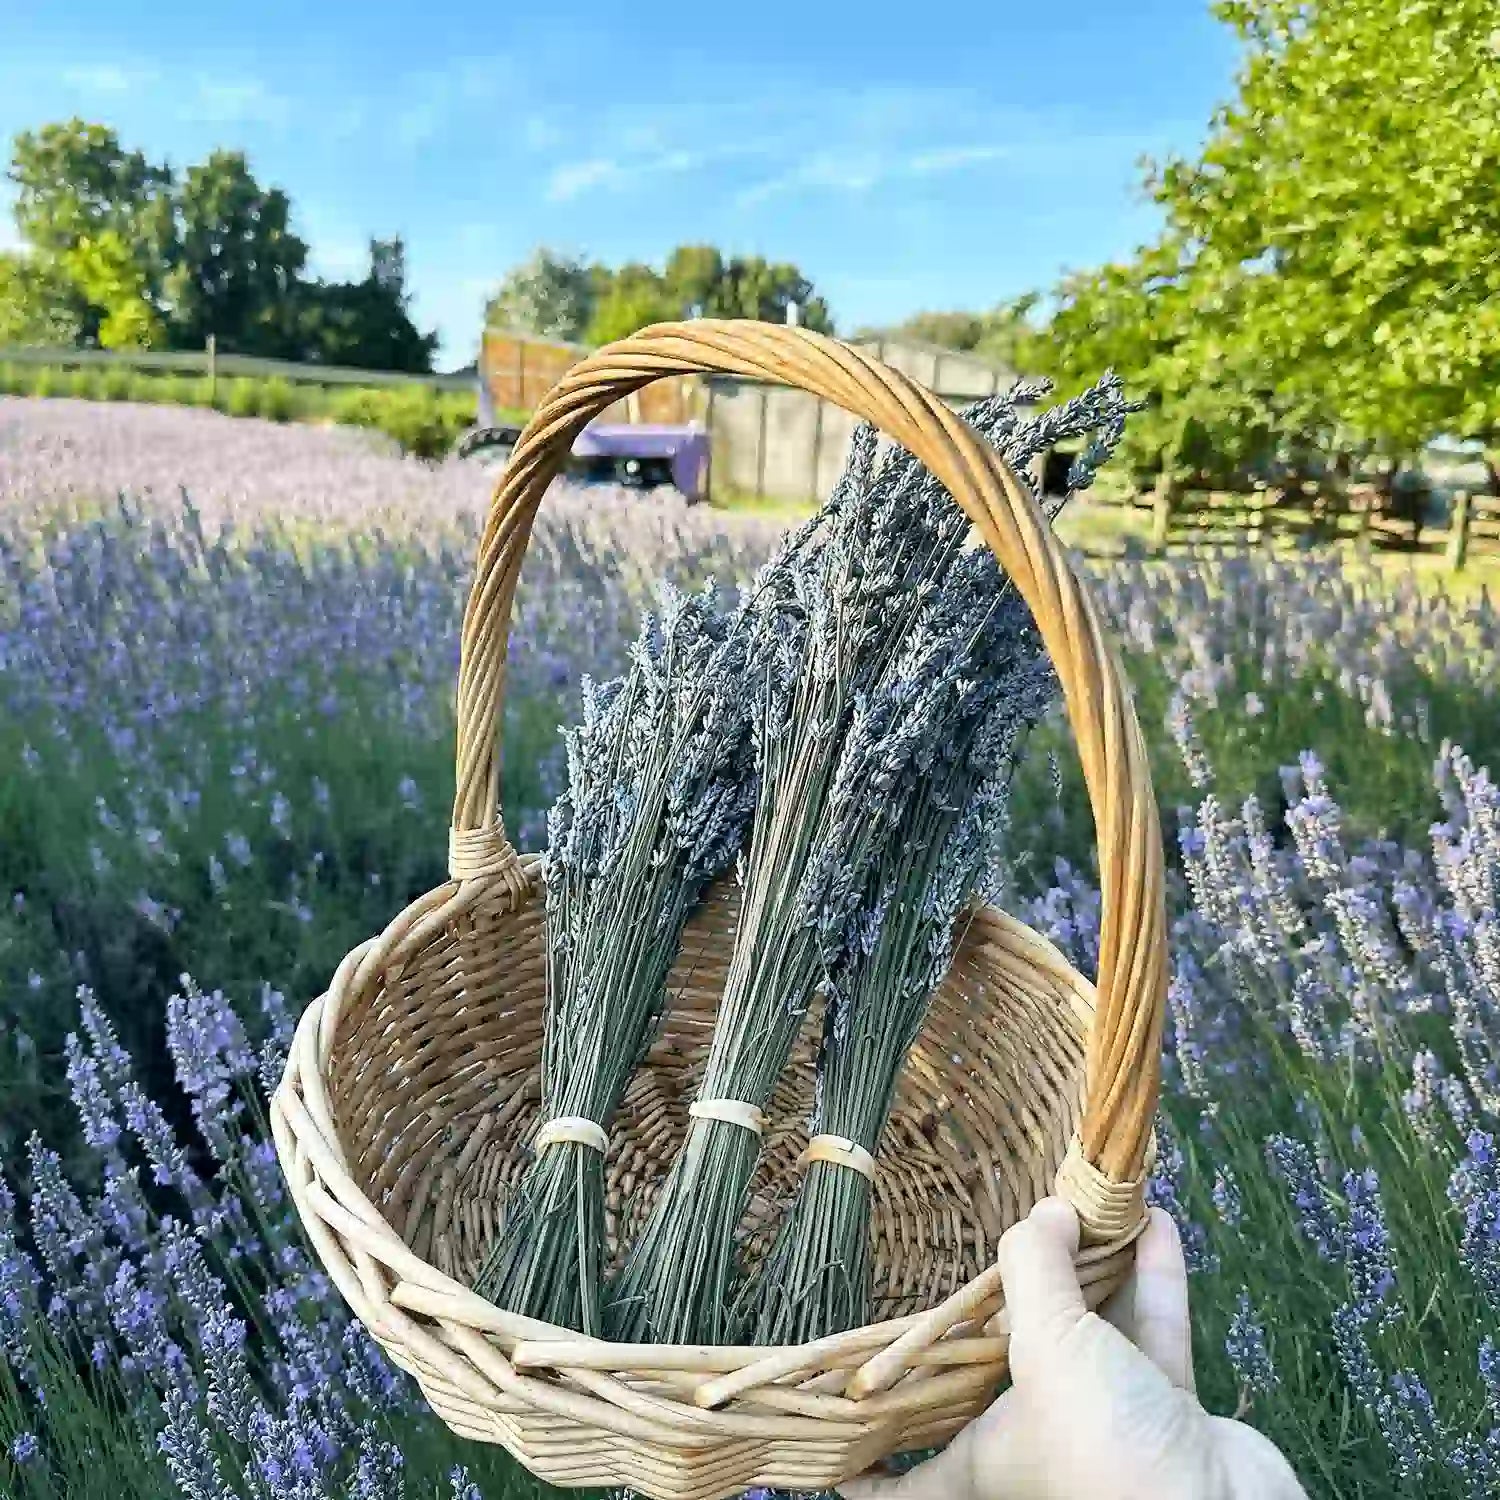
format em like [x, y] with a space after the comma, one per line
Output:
[519, 369]
[210, 363]
[1361, 514]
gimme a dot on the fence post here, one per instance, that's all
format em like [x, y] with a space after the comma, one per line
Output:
[760, 446]
[817, 448]
[708, 422]
[1162, 505]
[213, 370]
[1458, 531]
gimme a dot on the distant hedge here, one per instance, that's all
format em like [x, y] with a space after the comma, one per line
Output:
[424, 421]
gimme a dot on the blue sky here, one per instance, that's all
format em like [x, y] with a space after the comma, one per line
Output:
[904, 157]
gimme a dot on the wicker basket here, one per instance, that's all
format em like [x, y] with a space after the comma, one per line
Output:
[413, 1086]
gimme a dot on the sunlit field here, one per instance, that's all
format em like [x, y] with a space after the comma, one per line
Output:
[227, 653]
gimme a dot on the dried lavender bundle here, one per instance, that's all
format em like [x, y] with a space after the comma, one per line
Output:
[920, 800]
[923, 785]
[891, 533]
[660, 790]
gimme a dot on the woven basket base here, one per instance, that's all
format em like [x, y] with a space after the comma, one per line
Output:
[411, 1096]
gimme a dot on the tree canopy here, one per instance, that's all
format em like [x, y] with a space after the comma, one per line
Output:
[1326, 275]
[554, 296]
[125, 253]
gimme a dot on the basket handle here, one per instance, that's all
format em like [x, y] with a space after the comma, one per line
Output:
[1103, 1171]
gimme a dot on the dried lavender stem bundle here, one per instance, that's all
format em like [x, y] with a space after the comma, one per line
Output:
[660, 793]
[892, 534]
[921, 792]
[885, 951]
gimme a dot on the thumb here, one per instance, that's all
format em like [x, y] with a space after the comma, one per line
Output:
[1042, 1294]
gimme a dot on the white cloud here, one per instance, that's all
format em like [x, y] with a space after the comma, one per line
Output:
[107, 78]
[438, 98]
[577, 177]
[224, 101]
[953, 158]
[614, 173]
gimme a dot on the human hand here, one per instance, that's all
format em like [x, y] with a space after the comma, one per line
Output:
[1099, 1406]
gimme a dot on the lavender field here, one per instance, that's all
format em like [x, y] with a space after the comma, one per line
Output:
[227, 652]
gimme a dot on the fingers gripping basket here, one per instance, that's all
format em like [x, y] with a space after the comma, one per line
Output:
[413, 1086]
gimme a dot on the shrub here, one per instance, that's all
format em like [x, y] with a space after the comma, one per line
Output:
[117, 383]
[278, 401]
[144, 387]
[243, 399]
[423, 421]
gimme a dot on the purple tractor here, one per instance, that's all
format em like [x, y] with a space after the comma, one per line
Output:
[635, 454]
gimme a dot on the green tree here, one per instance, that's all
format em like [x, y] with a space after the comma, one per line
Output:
[1326, 280]
[37, 303]
[1335, 242]
[548, 294]
[951, 330]
[692, 273]
[753, 287]
[236, 263]
[628, 306]
[74, 181]
[366, 323]
[103, 267]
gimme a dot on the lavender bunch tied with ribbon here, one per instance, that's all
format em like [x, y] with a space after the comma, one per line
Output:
[661, 785]
[918, 806]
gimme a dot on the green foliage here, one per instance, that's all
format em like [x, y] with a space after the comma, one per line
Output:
[103, 269]
[278, 400]
[34, 303]
[424, 422]
[76, 182]
[86, 385]
[625, 309]
[180, 390]
[555, 297]
[953, 330]
[243, 398]
[548, 294]
[1326, 278]
[116, 383]
[125, 254]
[366, 324]
[1363, 260]
[236, 261]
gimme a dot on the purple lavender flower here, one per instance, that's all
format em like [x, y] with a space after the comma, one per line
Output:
[25, 1449]
[379, 1472]
[464, 1488]
[1474, 1189]
[1164, 1189]
[1249, 1355]
[187, 1447]
[1293, 1161]
[1367, 1250]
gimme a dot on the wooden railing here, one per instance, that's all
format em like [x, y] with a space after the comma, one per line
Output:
[208, 362]
[1185, 519]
